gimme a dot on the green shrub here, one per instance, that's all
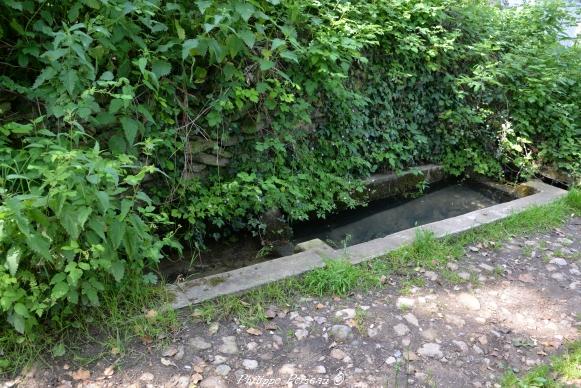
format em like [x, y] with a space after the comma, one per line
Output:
[73, 221]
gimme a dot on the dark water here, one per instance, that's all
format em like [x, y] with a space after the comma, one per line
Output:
[388, 216]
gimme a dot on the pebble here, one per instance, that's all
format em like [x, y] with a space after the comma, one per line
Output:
[218, 359]
[455, 320]
[320, 369]
[565, 241]
[341, 332]
[338, 354]
[558, 261]
[249, 364]
[487, 267]
[228, 345]
[223, 370]
[400, 329]
[411, 319]
[464, 275]
[199, 343]
[430, 349]
[301, 334]
[558, 276]
[287, 369]
[429, 334]
[390, 360]
[146, 377]
[213, 382]
[432, 276]
[372, 332]
[213, 328]
[277, 339]
[345, 314]
[452, 266]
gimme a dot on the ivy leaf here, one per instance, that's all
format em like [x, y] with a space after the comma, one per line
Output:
[59, 290]
[73, 219]
[125, 208]
[107, 76]
[116, 232]
[39, 244]
[17, 322]
[21, 310]
[103, 198]
[214, 118]
[91, 294]
[245, 10]
[69, 79]
[46, 75]
[265, 64]
[118, 270]
[290, 55]
[130, 127]
[180, 31]
[161, 68]
[248, 37]
[188, 46]
[276, 43]
[217, 50]
[203, 5]
[13, 259]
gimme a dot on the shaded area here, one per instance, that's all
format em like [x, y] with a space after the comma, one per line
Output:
[388, 216]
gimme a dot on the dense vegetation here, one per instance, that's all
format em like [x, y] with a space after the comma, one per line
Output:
[128, 125]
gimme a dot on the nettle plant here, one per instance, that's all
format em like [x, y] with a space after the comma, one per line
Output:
[73, 223]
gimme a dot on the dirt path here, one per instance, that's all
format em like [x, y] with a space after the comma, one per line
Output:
[525, 305]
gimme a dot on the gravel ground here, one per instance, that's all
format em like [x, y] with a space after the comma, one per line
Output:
[524, 307]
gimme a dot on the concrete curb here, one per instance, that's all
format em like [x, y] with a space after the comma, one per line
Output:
[199, 290]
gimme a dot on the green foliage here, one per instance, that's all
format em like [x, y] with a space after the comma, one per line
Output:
[72, 223]
[337, 277]
[527, 93]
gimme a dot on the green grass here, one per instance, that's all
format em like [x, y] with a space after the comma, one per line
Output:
[337, 277]
[562, 371]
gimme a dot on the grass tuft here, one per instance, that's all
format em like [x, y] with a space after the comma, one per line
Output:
[337, 277]
[564, 370]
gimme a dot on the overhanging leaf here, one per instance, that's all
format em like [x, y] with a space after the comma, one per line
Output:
[13, 259]
[69, 79]
[130, 127]
[161, 68]
[245, 10]
[248, 37]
